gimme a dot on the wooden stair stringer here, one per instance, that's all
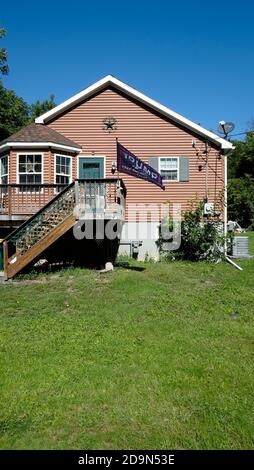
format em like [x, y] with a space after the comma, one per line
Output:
[40, 247]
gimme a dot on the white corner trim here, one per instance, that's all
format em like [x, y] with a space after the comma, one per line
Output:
[39, 144]
[110, 80]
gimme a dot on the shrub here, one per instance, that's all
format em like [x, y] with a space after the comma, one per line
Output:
[201, 238]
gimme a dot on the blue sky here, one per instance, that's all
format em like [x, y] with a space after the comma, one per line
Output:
[196, 57]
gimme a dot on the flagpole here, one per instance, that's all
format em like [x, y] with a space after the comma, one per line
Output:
[117, 159]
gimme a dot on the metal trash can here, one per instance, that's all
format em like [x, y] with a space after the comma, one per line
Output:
[1, 255]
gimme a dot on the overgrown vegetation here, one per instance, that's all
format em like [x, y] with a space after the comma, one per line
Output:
[201, 238]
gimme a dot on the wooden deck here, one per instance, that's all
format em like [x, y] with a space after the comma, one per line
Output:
[19, 201]
[81, 200]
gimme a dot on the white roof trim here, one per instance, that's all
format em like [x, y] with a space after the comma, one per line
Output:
[110, 80]
[39, 144]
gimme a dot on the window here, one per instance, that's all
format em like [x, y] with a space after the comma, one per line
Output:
[4, 170]
[169, 168]
[63, 169]
[30, 169]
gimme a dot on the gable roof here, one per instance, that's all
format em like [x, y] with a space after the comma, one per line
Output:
[40, 136]
[109, 80]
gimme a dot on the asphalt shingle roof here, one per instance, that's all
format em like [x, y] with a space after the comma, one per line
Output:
[39, 133]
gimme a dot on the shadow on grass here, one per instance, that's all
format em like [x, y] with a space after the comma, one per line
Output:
[126, 265]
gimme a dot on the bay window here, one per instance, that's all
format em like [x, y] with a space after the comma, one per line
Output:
[4, 173]
[30, 169]
[62, 169]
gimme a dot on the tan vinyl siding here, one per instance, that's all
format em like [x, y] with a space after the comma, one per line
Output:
[145, 134]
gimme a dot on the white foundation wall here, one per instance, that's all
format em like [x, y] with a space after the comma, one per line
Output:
[145, 232]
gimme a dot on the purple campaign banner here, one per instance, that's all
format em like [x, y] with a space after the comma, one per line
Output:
[128, 163]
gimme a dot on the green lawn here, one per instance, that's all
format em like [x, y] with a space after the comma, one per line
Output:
[159, 358]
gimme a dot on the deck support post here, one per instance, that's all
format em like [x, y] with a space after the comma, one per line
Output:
[5, 260]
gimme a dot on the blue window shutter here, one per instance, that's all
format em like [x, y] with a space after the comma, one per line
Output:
[183, 169]
[154, 163]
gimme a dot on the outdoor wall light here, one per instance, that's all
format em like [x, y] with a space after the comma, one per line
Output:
[113, 168]
[200, 167]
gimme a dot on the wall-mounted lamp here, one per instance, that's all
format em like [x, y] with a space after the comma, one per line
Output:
[200, 167]
[113, 168]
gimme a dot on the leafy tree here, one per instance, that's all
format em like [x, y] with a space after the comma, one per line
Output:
[241, 160]
[41, 107]
[241, 201]
[241, 181]
[14, 112]
[3, 55]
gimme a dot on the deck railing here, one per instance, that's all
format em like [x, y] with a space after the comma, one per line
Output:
[27, 199]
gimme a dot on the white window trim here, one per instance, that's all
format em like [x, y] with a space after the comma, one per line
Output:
[92, 156]
[42, 169]
[8, 168]
[178, 169]
[55, 173]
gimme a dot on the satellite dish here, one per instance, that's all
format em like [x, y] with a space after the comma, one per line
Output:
[226, 127]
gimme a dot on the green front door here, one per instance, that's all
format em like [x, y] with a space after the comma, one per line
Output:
[91, 168]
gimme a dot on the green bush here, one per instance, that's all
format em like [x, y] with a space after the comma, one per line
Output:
[201, 238]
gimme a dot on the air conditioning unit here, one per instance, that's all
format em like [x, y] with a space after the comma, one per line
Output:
[240, 247]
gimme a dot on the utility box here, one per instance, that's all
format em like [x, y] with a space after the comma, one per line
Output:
[240, 247]
[208, 208]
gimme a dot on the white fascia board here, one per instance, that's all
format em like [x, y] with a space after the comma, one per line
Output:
[110, 80]
[74, 99]
[40, 145]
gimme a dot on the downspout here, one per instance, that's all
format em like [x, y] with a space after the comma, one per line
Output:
[225, 203]
[226, 214]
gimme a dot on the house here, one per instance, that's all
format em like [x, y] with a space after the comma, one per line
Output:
[76, 141]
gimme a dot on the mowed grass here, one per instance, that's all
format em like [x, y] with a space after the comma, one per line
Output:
[159, 358]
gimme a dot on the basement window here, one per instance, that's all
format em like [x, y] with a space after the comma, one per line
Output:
[4, 170]
[30, 171]
[169, 168]
[63, 169]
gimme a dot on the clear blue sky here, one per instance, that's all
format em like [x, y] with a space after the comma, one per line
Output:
[196, 57]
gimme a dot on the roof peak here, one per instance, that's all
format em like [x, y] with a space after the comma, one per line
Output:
[132, 92]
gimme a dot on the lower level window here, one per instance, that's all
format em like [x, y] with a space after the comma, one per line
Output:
[63, 169]
[169, 168]
[30, 170]
[4, 170]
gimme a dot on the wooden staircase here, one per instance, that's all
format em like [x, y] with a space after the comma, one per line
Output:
[33, 237]
[27, 243]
